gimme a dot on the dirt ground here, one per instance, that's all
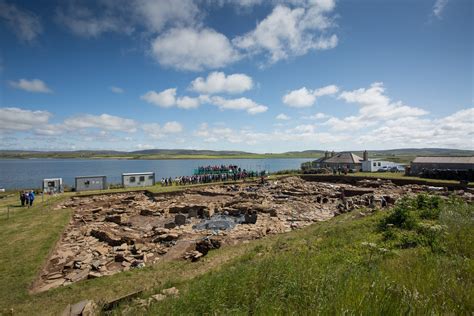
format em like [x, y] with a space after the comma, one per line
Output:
[111, 233]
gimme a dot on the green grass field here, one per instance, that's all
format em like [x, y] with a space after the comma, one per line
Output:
[346, 265]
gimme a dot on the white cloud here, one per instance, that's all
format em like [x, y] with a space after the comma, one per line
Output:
[26, 25]
[290, 32]
[283, 117]
[327, 90]
[439, 7]
[453, 131]
[374, 108]
[187, 102]
[304, 97]
[155, 131]
[16, 119]
[374, 104]
[165, 98]
[193, 49]
[103, 121]
[172, 127]
[116, 89]
[239, 104]
[316, 116]
[34, 85]
[299, 98]
[218, 82]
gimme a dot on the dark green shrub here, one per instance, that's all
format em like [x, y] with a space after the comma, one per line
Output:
[402, 216]
[429, 206]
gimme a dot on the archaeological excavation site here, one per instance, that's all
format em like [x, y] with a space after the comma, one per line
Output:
[115, 232]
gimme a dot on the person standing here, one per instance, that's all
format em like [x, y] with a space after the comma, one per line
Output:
[22, 198]
[31, 197]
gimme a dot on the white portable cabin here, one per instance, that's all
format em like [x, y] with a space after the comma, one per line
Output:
[54, 185]
[139, 179]
[88, 183]
[373, 165]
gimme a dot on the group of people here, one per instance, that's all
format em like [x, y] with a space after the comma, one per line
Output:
[209, 174]
[218, 169]
[27, 198]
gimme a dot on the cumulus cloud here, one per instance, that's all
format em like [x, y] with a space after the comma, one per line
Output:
[33, 85]
[239, 104]
[305, 97]
[103, 121]
[375, 104]
[167, 99]
[164, 99]
[218, 82]
[156, 131]
[374, 107]
[117, 90]
[16, 119]
[26, 25]
[453, 131]
[288, 32]
[193, 49]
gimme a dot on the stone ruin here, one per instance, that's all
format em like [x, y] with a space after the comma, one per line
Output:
[116, 232]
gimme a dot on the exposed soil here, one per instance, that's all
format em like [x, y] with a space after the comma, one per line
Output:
[116, 232]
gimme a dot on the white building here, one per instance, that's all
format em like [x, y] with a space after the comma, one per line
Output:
[140, 179]
[373, 165]
[54, 185]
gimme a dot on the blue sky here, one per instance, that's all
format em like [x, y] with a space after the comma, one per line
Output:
[253, 75]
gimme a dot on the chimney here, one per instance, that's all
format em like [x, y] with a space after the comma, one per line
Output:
[332, 153]
[366, 155]
[326, 154]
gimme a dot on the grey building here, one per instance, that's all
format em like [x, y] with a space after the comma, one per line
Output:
[54, 185]
[140, 179]
[421, 164]
[89, 183]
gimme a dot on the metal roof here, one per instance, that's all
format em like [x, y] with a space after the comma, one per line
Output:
[137, 174]
[344, 158]
[81, 177]
[441, 160]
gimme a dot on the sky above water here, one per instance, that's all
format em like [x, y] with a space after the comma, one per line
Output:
[252, 75]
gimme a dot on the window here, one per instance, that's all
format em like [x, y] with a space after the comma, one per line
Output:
[51, 184]
[150, 177]
[380, 164]
[375, 164]
[132, 179]
[87, 183]
[142, 178]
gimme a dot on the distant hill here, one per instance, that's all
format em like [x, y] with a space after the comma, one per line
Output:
[405, 154]
[188, 152]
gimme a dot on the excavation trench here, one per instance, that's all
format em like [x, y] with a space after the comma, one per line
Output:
[111, 233]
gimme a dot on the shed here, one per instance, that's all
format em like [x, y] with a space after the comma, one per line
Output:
[139, 179]
[53, 185]
[88, 183]
[419, 164]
